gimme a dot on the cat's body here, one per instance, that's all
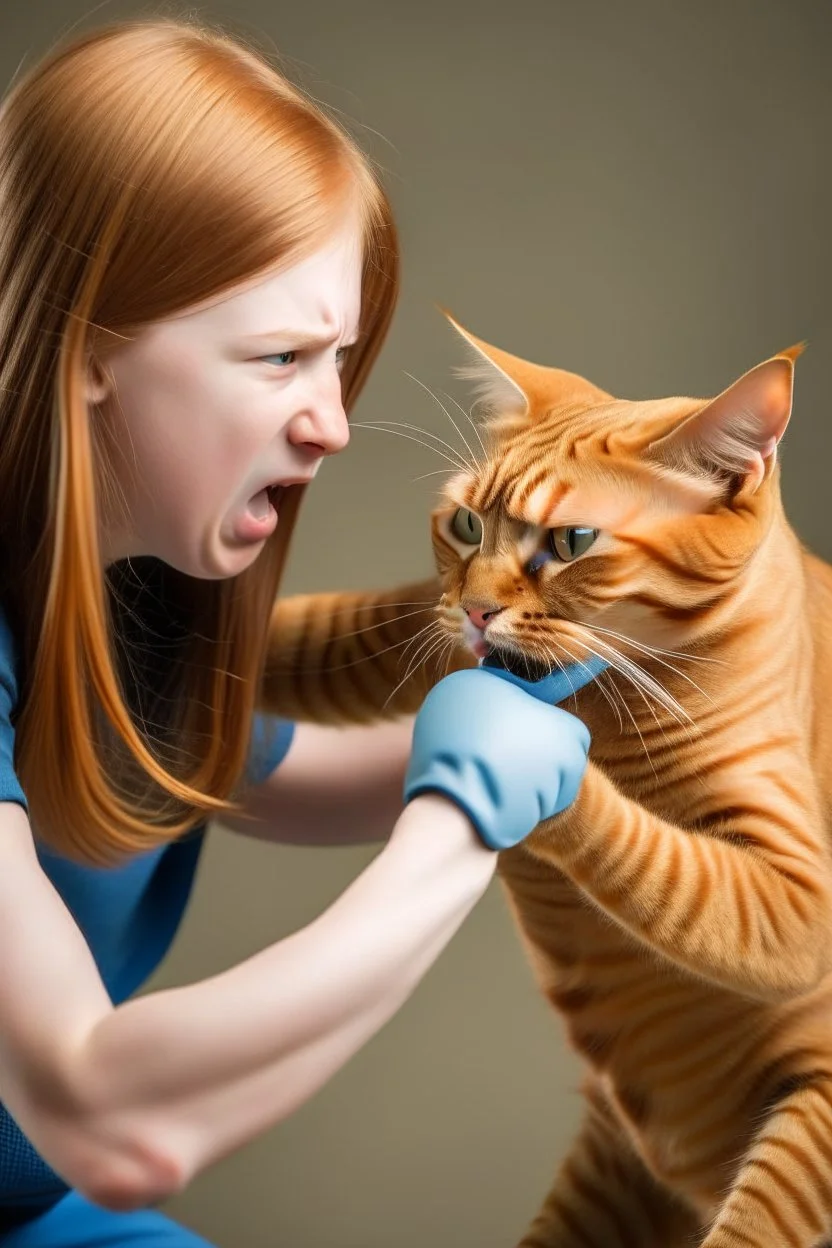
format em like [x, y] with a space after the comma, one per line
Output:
[679, 914]
[686, 1069]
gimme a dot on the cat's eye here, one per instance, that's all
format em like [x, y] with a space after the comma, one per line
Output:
[467, 526]
[570, 541]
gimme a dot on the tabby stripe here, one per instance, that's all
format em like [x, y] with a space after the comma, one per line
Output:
[779, 1079]
[595, 1196]
[489, 491]
[600, 1157]
[577, 444]
[791, 1189]
[693, 902]
[819, 1141]
[739, 1237]
[802, 1158]
[767, 745]
[681, 614]
[360, 674]
[527, 486]
[543, 514]
[751, 1191]
[527, 445]
[688, 571]
[682, 1073]
[573, 1226]
[769, 907]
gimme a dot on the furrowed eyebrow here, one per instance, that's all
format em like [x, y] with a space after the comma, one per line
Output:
[601, 513]
[297, 339]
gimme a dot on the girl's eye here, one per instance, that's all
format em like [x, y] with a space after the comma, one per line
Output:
[571, 541]
[467, 527]
[282, 360]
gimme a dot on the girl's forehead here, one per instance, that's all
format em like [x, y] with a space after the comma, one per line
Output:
[319, 291]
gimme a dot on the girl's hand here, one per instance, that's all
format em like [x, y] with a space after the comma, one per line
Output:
[507, 759]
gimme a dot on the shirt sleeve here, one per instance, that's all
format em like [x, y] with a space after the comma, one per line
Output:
[10, 790]
[270, 741]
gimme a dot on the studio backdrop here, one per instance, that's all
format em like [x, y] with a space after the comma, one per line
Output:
[638, 192]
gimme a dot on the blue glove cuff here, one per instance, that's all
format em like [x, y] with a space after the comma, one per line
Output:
[559, 684]
[507, 760]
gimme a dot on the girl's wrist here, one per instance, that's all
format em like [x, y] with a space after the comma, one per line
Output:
[432, 824]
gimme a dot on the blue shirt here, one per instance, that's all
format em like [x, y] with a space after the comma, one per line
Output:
[128, 913]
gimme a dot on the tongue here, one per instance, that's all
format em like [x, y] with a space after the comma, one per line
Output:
[259, 506]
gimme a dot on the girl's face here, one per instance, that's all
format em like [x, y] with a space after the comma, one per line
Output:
[218, 408]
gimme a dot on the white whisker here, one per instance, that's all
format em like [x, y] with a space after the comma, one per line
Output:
[339, 667]
[433, 631]
[429, 628]
[462, 467]
[434, 473]
[391, 425]
[372, 606]
[368, 628]
[626, 706]
[465, 442]
[468, 417]
[579, 663]
[654, 653]
[673, 654]
[644, 684]
[407, 675]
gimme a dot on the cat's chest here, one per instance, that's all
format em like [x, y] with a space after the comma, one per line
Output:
[651, 761]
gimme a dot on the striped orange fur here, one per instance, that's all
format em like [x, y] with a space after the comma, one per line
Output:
[678, 915]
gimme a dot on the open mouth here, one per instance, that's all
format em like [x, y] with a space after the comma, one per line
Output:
[518, 664]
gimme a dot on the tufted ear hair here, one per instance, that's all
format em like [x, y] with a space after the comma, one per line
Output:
[508, 385]
[490, 372]
[737, 433]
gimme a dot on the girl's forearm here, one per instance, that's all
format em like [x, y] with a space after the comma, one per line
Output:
[192, 1073]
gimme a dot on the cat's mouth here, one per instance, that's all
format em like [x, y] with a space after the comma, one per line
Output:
[516, 663]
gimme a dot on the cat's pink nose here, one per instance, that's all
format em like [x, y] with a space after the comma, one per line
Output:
[480, 616]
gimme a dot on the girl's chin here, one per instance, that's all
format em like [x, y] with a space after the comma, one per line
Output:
[218, 560]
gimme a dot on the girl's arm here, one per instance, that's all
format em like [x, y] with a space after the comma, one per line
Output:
[336, 786]
[129, 1103]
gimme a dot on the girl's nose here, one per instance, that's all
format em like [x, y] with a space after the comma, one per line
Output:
[323, 429]
[480, 616]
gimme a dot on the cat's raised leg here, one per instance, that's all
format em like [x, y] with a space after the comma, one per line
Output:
[783, 1191]
[604, 1197]
[357, 657]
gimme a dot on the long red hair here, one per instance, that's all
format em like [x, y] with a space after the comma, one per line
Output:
[143, 168]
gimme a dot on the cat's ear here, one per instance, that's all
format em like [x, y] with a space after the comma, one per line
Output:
[494, 374]
[510, 387]
[737, 433]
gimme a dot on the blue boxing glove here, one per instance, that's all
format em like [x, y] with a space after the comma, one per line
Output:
[506, 758]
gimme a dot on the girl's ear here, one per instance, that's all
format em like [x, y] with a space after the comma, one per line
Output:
[98, 385]
[738, 431]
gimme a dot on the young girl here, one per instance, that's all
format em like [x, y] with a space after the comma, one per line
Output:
[197, 269]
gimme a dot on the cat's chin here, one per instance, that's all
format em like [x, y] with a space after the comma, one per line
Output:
[517, 664]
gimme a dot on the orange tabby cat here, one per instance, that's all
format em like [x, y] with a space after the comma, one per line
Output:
[679, 914]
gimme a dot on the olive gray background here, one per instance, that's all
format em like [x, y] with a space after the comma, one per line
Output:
[639, 192]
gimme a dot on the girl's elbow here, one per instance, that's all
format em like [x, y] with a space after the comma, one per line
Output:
[117, 1167]
[125, 1179]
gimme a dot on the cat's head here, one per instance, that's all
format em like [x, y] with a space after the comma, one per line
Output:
[586, 519]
